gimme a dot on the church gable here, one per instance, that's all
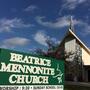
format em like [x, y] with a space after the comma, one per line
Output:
[72, 44]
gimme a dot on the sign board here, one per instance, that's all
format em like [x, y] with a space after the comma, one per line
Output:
[23, 71]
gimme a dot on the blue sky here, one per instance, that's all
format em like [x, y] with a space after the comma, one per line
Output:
[26, 24]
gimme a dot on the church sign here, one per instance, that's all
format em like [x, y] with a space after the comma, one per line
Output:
[24, 71]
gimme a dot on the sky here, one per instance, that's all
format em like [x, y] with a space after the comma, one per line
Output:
[25, 25]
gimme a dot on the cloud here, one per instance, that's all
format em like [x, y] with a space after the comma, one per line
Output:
[72, 4]
[8, 24]
[58, 23]
[15, 41]
[31, 8]
[86, 28]
[63, 22]
[41, 37]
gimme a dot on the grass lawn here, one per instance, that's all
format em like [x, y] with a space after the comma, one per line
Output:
[74, 87]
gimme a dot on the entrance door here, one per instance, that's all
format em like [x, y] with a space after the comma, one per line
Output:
[88, 75]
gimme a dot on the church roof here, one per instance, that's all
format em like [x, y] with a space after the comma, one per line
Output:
[70, 32]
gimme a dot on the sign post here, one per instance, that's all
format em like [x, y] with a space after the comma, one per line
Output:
[22, 71]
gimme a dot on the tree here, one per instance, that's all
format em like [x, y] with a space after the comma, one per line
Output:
[39, 51]
[74, 65]
[73, 60]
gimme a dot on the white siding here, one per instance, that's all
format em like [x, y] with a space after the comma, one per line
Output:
[70, 45]
[85, 57]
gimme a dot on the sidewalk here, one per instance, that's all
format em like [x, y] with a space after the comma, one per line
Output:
[85, 84]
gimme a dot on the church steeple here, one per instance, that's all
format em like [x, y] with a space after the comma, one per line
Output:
[71, 24]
